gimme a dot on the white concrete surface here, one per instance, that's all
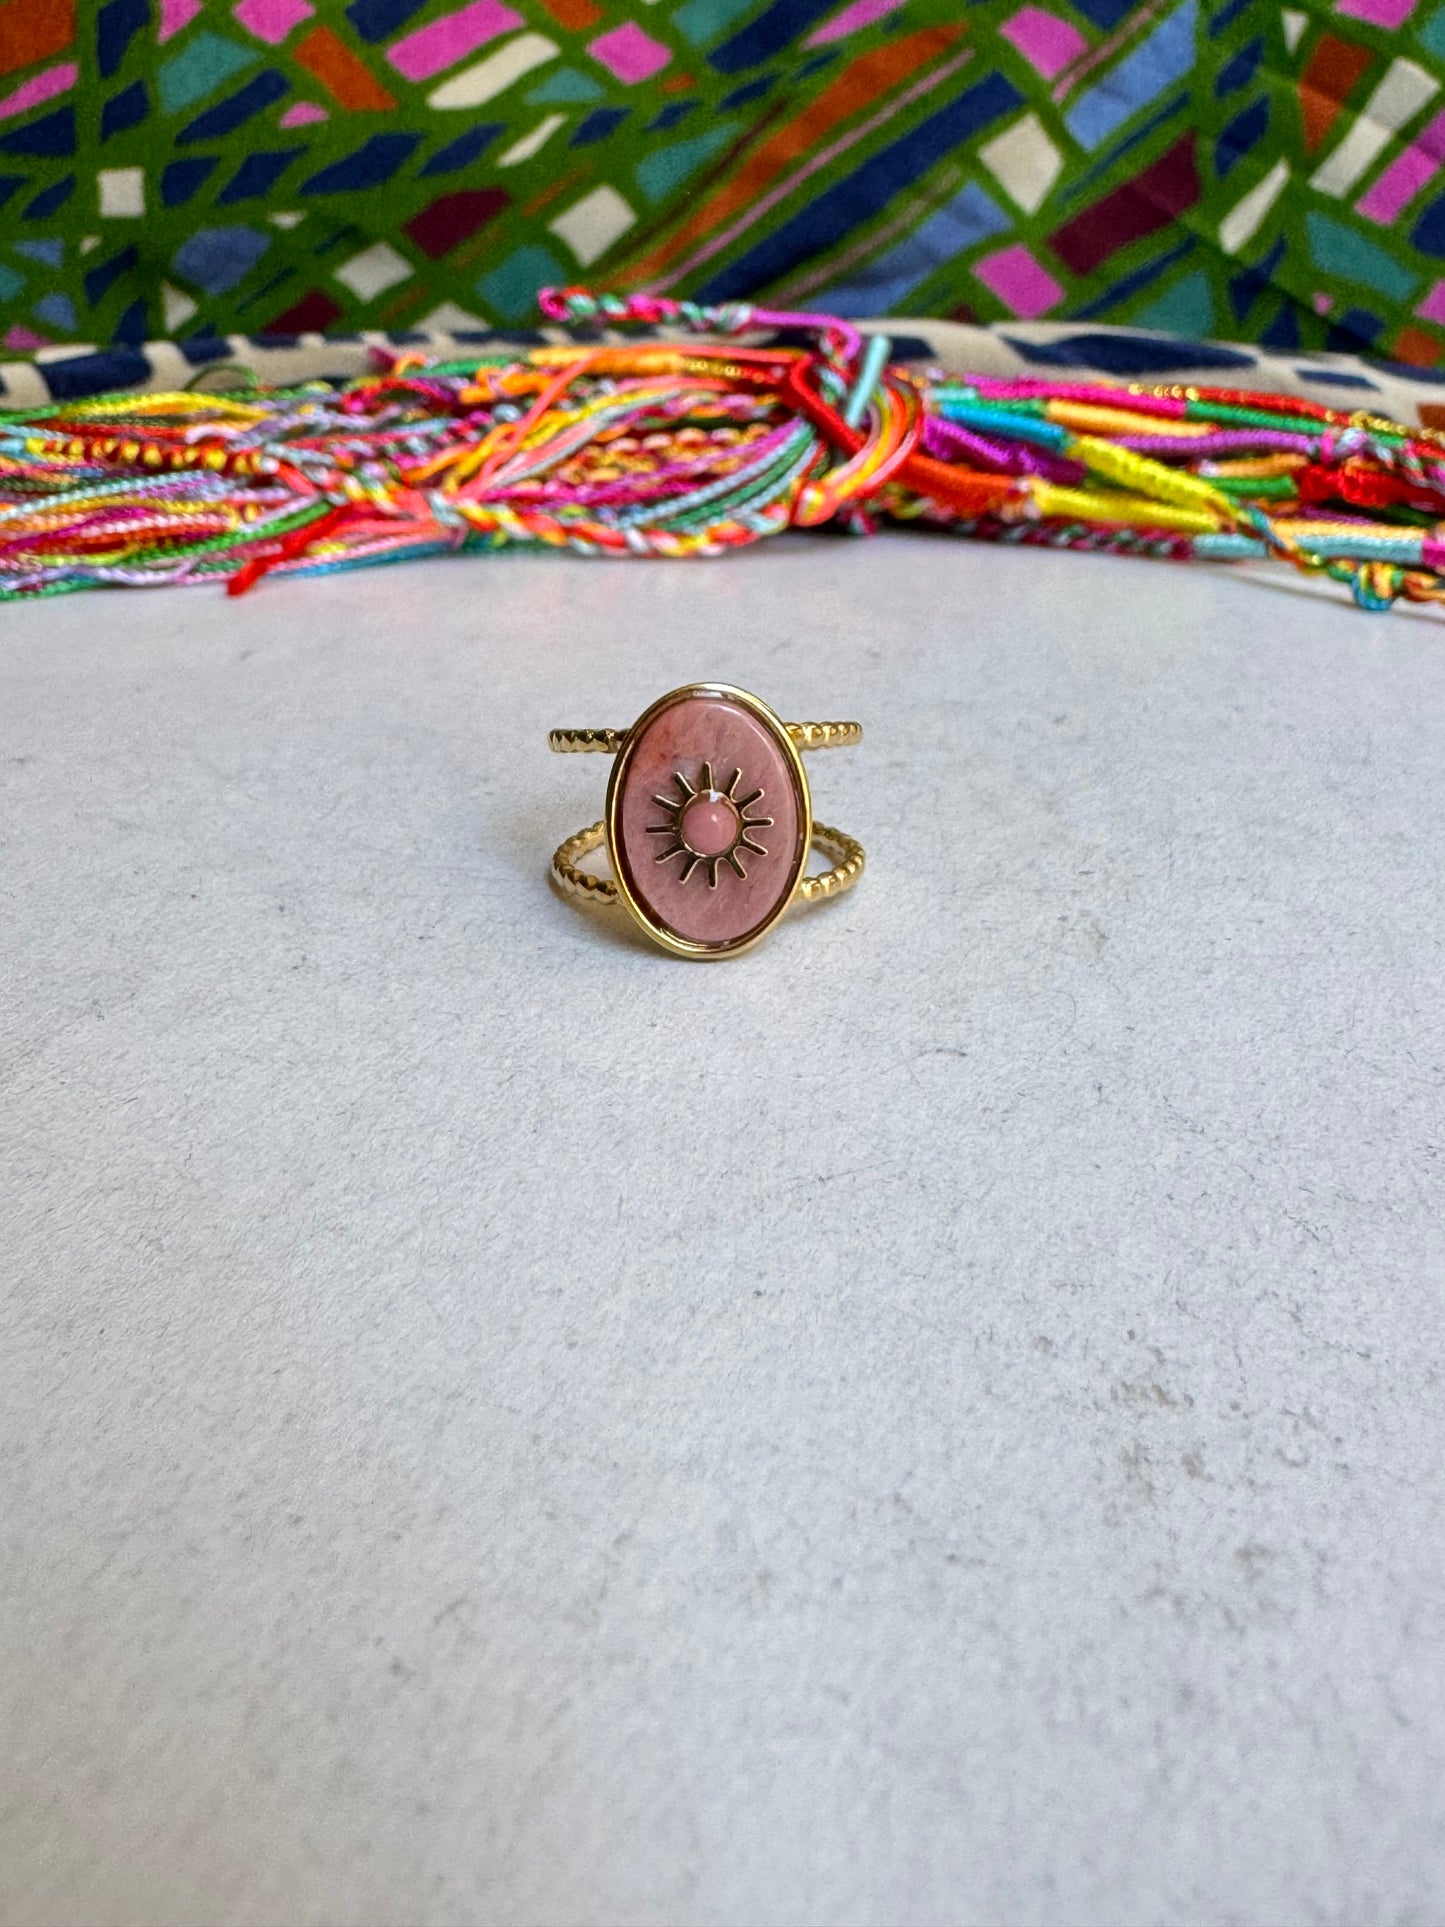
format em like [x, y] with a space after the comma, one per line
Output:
[936, 1422]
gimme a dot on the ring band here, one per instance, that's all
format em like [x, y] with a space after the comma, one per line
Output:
[709, 822]
[588, 888]
[607, 742]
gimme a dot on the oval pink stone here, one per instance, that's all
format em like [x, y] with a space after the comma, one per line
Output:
[686, 800]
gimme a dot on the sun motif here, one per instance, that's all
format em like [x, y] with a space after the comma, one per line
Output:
[709, 825]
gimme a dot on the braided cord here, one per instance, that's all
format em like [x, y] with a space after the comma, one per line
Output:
[734, 423]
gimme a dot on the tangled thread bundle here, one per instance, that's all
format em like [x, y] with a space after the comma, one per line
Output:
[683, 448]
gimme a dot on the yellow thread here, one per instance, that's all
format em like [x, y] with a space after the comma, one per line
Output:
[1148, 477]
[1130, 511]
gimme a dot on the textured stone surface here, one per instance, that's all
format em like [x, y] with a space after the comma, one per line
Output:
[937, 1421]
[681, 739]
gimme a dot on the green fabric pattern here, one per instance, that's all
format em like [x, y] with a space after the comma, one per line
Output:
[1236, 169]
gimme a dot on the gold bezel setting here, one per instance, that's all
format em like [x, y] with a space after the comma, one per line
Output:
[777, 729]
[786, 742]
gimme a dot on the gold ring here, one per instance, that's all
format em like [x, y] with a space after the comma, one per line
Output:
[709, 821]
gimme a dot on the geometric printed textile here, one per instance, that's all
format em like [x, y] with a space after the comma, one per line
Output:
[1219, 168]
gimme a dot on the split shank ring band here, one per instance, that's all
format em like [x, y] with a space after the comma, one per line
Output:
[709, 821]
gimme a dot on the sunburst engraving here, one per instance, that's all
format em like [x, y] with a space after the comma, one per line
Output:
[708, 826]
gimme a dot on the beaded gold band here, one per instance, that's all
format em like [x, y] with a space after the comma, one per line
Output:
[709, 823]
[607, 742]
[584, 887]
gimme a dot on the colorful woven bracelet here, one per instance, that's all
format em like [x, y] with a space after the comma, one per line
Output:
[688, 446]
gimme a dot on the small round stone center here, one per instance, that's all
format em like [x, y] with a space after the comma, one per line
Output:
[710, 824]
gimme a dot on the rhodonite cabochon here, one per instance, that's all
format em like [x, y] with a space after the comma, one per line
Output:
[709, 818]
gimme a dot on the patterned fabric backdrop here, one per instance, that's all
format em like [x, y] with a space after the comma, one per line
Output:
[1224, 167]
